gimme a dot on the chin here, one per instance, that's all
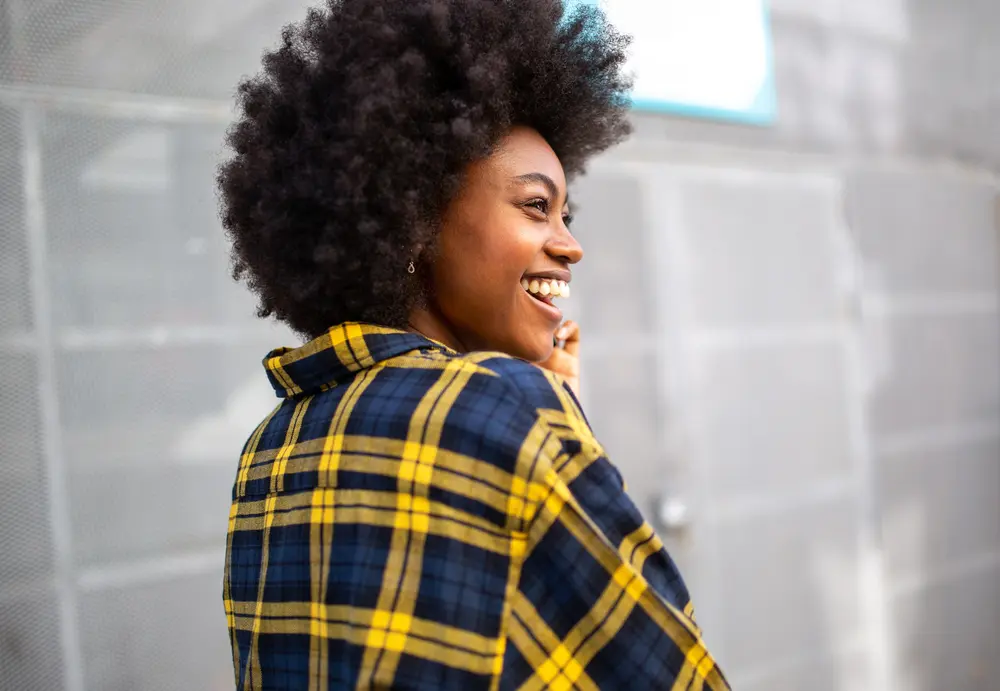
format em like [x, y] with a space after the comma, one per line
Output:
[537, 350]
[534, 344]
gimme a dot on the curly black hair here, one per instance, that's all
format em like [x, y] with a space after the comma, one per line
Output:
[354, 137]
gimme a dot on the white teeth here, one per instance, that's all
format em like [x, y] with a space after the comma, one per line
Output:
[546, 288]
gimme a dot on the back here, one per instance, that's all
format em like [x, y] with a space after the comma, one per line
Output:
[411, 518]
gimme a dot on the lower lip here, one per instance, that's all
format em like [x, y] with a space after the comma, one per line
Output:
[553, 312]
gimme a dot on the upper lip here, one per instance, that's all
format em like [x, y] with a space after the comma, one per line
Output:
[552, 275]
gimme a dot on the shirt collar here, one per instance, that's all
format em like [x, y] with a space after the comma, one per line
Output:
[337, 356]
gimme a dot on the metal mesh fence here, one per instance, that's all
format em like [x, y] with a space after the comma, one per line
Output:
[179, 48]
[129, 361]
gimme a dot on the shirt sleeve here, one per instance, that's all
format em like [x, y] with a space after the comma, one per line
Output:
[599, 606]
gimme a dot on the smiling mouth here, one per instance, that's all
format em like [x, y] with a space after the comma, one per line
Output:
[544, 290]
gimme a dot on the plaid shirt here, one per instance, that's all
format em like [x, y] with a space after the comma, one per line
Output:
[412, 518]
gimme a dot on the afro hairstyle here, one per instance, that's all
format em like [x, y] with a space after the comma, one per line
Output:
[352, 140]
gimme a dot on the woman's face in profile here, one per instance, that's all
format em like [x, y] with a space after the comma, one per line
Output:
[506, 229]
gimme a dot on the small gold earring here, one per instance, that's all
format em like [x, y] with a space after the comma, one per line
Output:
[411, 268]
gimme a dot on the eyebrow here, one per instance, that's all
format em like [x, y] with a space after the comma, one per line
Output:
[544, 180]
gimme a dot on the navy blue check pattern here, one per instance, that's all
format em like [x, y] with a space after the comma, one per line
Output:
[412, 518]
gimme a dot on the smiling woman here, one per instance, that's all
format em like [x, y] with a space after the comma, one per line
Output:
[507, 224]
[427, 508]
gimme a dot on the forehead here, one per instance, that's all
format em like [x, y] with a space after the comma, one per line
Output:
[522, 152]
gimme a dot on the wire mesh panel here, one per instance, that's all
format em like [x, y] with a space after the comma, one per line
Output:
[30, 658]
[188, 48]
[24, 529]
[129, 360]
[158, 382]
[19, 431]
[131, 220]
[29, 621]
[15, 311]
[152, 436]
[158, 632]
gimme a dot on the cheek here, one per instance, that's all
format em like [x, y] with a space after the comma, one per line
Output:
[512, 249]
[488, 261]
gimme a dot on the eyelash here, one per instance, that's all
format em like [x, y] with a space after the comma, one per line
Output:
[542, 205]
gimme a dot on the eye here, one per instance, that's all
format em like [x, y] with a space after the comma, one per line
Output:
[568, 220]
[541, 205]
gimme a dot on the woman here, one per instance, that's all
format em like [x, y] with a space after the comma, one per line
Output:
[426, 509]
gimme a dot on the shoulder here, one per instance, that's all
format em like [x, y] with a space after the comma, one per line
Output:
[484, 424]
[475, 387]
[543, 393]
[532, 384]
[534, 388]
[493, 396]
[490, 372]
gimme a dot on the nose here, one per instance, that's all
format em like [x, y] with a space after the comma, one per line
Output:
[563, 246]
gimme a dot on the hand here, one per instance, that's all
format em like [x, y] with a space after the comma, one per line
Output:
[565, 358]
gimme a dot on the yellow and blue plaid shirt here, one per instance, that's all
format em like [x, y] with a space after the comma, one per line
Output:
[413, 518]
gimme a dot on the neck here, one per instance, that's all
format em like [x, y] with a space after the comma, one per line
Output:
[429, 322]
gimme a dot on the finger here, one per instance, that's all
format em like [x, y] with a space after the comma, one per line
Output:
[566, 330]
[563, 363]
[570, 334]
